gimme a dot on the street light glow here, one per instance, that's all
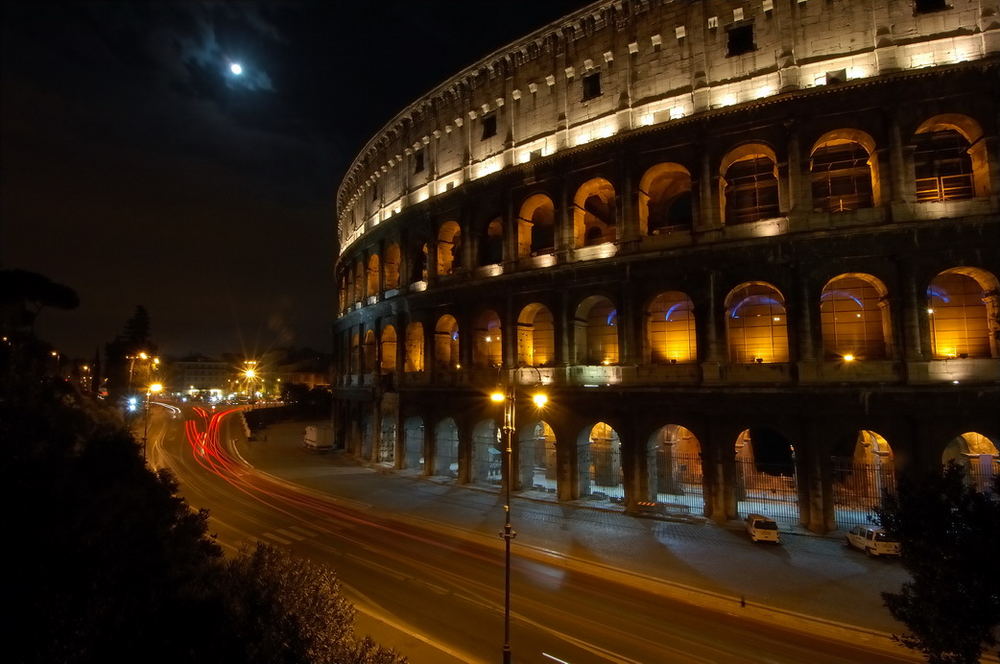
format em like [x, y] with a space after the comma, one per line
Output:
[156, 388]
[250, 373]
[497, 397]
[236, 68]
[539, 400]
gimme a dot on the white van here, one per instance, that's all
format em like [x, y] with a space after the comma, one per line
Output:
[762, 529]
[873, 541]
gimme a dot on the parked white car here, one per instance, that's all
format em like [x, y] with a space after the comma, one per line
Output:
[873, 541]
[762, 529]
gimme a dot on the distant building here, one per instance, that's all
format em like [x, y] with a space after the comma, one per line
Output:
[199, 372]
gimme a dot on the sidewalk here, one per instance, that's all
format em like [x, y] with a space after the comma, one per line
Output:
[704, 564]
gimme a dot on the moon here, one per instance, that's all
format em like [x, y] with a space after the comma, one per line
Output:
[236, 68]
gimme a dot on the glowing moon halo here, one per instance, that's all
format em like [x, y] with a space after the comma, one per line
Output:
[236, 68]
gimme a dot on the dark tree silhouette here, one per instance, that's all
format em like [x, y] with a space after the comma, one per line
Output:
[950, 536]
[24, 294]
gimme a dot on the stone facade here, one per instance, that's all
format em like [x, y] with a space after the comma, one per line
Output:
[731, 234]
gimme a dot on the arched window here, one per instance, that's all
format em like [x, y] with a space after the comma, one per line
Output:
[749, 185]
[486, 351]
[537, 455]
[414, 347]
[949, 159]
[756, 324]
[449, 248]
[446, 343]
[665, 202]
[596, 331]
[349, 287]
[843, 170]
[674, 468]
[535, 336]
[536, 226]
[854, 314]
[962, 308]
[765, 474]
[390, 267]
[373, 273]
[670, 328]
[342, 293]
[594, 213]
[491, 243]
[369, 352]
[388, 349]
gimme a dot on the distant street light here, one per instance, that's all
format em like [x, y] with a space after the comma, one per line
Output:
[509, 399]
[155, 388]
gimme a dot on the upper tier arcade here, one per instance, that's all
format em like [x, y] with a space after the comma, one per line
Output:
[622, 66]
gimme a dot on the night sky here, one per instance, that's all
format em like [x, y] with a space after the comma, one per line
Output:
[137, 169]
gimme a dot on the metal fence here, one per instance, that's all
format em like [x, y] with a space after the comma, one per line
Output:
[678, 479]
[771, 490]
[601, 472]
[858, 488]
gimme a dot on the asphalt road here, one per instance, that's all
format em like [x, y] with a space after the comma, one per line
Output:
[439, 599]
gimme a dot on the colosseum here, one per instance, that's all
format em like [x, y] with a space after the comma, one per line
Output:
[747, 249]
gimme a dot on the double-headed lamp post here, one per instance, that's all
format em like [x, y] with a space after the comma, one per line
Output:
[508, 397]
[155, 388]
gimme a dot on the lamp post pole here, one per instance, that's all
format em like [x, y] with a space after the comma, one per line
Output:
[508, 532]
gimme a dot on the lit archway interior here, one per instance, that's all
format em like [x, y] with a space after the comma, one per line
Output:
[536, 225]
[665, 202]
[413, 443]
[843, 171]
[594, 213]
[749, 184]
[414, 347]
[390, 267]
[977, 455]
[756, 324]
[373, 275]
[950, 159]
[370, 352]
[491, 243]
[962, 306]
[487, 343]
[535, 336]
[449, 248]
[854, 315]
[596, 331]
[670, 328]
[446, 343]
[861, 478]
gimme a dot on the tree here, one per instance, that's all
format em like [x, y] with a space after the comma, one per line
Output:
[24, 294]
[950, 537]
[111, 564]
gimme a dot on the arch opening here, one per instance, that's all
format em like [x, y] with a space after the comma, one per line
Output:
[665, 201]
[373, 275]
[370, 352]
[594, 213]
[487, 343]
[766, 480]
[843, 172]
[487, 454]
[599, 465]
[386, 453]
[388, 349]
[537, 458]
[670, 329]
[413, 443]
[674, 468]
[446, 356]
[749, 185]
[449, 248]
[390, 267]
[756, 324]
[964, 312]
[854, 317]
[491, 243]
[950, 159]
[536, 225]
[977, 455]
[446, 448]
[596, 331]
[414, 360]
[535, 336]
[860, 480]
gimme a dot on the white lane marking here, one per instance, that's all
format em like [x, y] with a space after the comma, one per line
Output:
[288, 533]
[279, 540]
[554, 659]
[303, 531]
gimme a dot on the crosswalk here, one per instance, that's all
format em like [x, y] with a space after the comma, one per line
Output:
[283, 536]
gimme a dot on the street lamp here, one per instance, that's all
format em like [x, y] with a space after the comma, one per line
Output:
[155, 388]
[509, 399]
